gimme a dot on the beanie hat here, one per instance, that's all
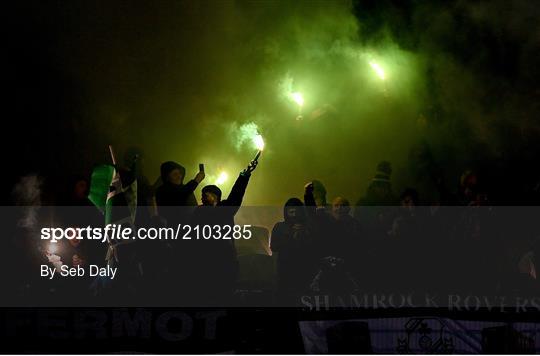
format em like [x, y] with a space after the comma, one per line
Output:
[212, 189]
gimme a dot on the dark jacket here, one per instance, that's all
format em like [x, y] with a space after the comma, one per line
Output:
[172, 195]
[292, 244]
[322, 225]
[176, 195]
[214, 260]
[346, 240]
[175, 204]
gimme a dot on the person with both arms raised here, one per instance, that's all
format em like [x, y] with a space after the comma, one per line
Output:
[214, 261]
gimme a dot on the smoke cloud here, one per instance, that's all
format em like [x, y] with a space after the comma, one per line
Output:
[178, 78]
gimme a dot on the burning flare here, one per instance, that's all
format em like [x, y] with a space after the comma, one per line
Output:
[297, 98]
[258, 141]
[222, 178]
[377, 68]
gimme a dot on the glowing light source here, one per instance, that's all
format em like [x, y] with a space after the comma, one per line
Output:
[378, 70]
[222, 178]
[297, 98]
[258, 141]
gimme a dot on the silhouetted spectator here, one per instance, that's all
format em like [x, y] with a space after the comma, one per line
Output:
[379, 191]
[174, 192]
[291, 241]
[405, 245]
[346, 237]
[176, 202]
[79, 192]
[319, 218]
[213, 262]
[468, 185]
[374, 211]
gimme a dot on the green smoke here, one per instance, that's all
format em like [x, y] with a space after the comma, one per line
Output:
[162, 78]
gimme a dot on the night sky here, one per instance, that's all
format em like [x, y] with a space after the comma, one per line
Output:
[178, 79]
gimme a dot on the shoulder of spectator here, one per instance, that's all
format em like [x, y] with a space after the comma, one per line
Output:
[190, 186]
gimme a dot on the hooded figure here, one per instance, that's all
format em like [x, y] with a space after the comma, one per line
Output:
[379, 191]
[174, 192]
[375, 209]
[292, 243]
[175, 202]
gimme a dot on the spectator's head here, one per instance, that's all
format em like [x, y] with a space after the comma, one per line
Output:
[380, 189]
[341, 207]
[384, 168]
[468, 185]
[293, 211]
[211, 195]
[409, 198]
[172, 172]
[77, 189]
[319, 193]
[80, 188]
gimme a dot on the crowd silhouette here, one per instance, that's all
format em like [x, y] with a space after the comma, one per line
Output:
[384, 243]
